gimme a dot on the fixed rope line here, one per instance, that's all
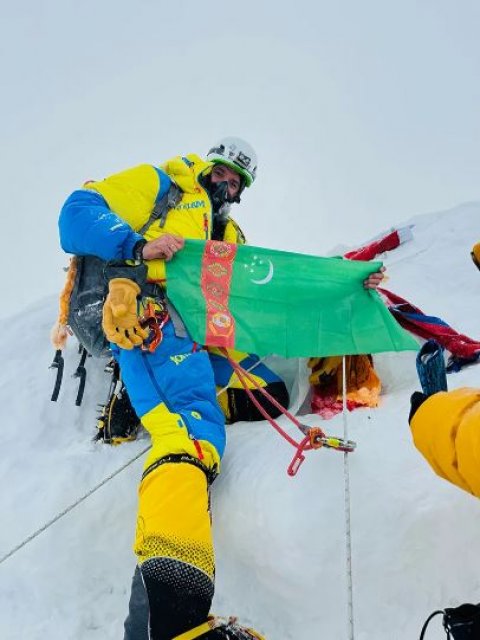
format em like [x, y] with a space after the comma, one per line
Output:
[63, 513]
[348, 536]
[72, 506]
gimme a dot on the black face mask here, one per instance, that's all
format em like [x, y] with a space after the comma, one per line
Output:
[218, 194]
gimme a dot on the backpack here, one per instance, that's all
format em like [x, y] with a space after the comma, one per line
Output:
[86, 289]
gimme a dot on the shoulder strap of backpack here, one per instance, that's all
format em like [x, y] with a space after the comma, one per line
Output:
[163, 206]
[427, 621]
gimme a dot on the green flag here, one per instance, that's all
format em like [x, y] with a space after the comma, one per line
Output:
[275, 302]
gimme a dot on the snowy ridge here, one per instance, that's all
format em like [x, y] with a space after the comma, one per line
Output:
[280, 542]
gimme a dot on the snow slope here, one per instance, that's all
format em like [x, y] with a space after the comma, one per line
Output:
[280, 542]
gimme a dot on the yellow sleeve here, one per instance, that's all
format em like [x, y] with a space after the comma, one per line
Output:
[446, 431]
[233, 233]
[131, 194]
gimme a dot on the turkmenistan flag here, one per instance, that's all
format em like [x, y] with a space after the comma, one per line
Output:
[273, 302]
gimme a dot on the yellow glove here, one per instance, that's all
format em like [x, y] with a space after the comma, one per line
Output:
[120, 320]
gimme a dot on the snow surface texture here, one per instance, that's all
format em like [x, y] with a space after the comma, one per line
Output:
[280, 542]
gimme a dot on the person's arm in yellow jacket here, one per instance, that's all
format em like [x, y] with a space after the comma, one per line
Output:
[446, 431]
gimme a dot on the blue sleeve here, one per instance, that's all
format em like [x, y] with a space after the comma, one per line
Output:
[88, 227]
[223, 370]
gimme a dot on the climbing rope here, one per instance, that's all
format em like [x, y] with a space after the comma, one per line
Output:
[72, 506]
[348, 528]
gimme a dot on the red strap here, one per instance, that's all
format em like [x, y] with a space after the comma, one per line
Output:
[305, 445]
[199, 449]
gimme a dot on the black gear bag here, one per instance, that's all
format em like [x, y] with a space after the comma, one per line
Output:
[460, 623]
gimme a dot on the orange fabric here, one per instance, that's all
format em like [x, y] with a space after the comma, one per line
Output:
[59, 332]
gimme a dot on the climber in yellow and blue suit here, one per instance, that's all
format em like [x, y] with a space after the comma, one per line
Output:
[124, 220]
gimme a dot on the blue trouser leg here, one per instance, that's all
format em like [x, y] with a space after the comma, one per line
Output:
[173, 392]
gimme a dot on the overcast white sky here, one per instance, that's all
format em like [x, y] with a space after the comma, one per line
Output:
[362, 113]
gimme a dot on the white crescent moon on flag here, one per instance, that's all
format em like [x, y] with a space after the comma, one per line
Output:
[268, 277]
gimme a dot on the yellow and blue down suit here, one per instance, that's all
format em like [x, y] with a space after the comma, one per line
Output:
[172, 389]
[446, 430]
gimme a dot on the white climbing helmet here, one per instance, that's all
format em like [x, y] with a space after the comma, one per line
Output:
[236, 154]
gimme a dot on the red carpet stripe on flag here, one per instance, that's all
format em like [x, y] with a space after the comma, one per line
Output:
[216, 279]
